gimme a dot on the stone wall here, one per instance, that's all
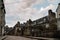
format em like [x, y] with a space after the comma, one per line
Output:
[2, 17]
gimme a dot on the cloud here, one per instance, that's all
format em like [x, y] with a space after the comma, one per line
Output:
[11, 23]
[43, 11]
[11, 1]
[23, 10]
[23, 3]
[51, 6]
[25, 14]
[53, 1]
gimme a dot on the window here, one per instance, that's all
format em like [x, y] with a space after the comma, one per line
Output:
[44, 19]
[19, 28]
[47, 25]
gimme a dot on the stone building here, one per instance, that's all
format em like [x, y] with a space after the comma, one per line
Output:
[52, 21]
[42, 27]
[27, 28]
[7, 29]
[52, 24]
[45, 26]
[17, 30]
[58, 16]
[2, 17]
[57, 34]
[39, 25]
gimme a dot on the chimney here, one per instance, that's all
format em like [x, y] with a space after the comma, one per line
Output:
[59, 4]
[58, 7]
[49, 11]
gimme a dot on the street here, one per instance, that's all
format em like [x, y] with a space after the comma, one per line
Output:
[25, 38]
[18, 38]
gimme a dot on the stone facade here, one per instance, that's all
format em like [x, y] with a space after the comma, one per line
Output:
[2, 17]
[58, 16]
[17, 30]
[48, 26]
[45, 26]
[52, 21]
[28, 27]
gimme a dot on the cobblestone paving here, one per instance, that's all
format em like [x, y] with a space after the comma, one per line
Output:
[18, 38]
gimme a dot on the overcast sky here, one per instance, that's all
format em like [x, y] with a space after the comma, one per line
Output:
[22, 10]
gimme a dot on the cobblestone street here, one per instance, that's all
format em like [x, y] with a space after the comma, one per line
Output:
[18, 38]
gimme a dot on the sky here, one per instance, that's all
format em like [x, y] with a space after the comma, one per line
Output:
[23, 10]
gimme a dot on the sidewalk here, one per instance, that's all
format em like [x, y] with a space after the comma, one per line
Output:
[3, 37]
[44, 38]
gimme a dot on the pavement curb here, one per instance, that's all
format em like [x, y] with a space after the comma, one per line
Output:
[2, 38]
